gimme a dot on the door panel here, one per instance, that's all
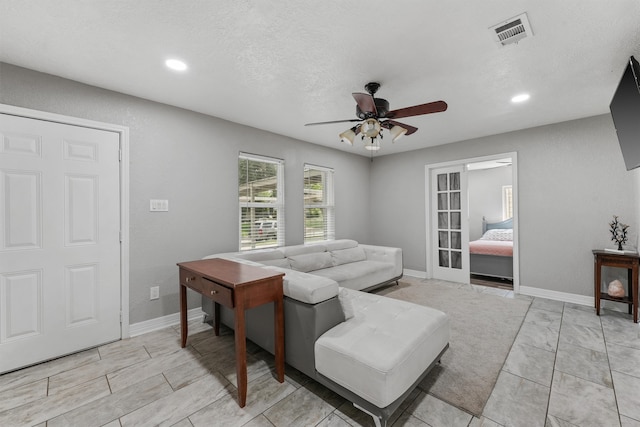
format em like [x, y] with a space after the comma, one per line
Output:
[450, 238]
[59, 239]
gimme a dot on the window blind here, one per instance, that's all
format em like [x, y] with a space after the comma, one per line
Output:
[319, 215]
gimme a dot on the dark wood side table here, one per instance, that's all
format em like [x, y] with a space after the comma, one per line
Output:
[610, 259]
[241, 287]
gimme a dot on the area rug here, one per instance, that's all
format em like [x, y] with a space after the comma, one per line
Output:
[483, 328]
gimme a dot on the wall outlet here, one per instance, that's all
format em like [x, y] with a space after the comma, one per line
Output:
[154, 292]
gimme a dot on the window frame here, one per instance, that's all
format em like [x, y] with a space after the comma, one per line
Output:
[278, 205]
[328, 205]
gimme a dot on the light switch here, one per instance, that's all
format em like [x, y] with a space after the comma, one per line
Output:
[156, 205]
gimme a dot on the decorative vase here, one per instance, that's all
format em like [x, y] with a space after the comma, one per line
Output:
[616, 289]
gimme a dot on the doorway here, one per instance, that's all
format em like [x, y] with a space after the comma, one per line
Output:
[479, 212]
[64, 240]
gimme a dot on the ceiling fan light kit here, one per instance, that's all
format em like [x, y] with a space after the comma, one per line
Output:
[374, 115]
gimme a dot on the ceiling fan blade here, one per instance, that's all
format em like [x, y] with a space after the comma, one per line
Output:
[334, 121]
[410, 129]
[366, 102]
[417, 110]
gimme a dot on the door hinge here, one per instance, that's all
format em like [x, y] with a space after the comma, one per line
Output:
[121, 317]
[120, 236]
[119, 155]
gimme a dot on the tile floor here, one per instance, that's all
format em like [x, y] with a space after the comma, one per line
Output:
[567, 367]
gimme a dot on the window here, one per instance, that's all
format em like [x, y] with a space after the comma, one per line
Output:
[319, 218]
[507, 202]
[261, 201]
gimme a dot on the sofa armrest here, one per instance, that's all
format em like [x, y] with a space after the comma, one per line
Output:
[385, 254]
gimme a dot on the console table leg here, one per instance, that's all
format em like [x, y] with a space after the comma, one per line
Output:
[279, 337]
[216, 318]
[241, 356]
[183, 316]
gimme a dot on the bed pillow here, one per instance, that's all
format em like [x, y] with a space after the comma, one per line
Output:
[502, 234]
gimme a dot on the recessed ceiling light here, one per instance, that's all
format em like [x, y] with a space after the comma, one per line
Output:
[175, 64]
[520, 98]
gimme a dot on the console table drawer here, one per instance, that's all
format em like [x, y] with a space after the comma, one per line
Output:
[216, 292]
[191, 280]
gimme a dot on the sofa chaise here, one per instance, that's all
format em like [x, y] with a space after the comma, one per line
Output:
[370, 349]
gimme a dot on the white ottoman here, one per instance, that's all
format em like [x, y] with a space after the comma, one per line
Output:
[382, 349]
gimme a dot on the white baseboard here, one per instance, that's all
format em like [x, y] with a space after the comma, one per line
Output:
[162, 322]
[415, 273]
[556, 295]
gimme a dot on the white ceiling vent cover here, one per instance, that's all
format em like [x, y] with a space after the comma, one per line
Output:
[512, 30]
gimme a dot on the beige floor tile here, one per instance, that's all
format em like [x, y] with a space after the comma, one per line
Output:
[43, 370]
[110, 408]
[49, 407]
[76, 376]
[22, 395]
[306, 406]
[262, 393]
[173, 408]
[435, 412]
[148, 368]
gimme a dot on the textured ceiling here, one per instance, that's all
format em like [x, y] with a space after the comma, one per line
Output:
[276, 65]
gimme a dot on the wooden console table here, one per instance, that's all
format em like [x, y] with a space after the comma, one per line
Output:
[611, 259]
[241, 287]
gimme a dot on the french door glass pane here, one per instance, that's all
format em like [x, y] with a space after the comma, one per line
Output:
[444, 259]
[455, 220]
[454, 181]
[443, 220]
[442, 202]
[456, 259]
[455, 200]
[456, 240]
[442, 182]
[443, 239]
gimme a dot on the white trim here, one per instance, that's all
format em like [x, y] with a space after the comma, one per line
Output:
[123, 131]
[415, 273]
[151, 325]
[427, 199]
[557, 295]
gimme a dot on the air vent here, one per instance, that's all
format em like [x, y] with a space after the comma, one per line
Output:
[512, 30]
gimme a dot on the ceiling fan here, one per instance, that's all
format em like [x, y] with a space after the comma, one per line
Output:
[374, 115]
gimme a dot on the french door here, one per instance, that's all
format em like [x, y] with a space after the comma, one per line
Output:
[449, 224]
[60, 244]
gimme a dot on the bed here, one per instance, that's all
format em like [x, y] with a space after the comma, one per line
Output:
[492, 254]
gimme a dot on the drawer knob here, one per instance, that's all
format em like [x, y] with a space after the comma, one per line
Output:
[189, 279]
[214, 292]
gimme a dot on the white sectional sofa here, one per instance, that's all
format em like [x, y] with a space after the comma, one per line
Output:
[370, 349]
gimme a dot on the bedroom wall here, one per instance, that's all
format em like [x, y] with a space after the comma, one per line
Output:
[571, 181]
[191, 160]
[485, 196]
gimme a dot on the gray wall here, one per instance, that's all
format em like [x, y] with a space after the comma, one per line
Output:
[485, 196]
[571, 181]
[191, 160]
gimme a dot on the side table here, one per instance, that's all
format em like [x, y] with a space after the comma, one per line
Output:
[610, 259]
[241, 287]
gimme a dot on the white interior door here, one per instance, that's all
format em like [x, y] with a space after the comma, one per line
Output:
[449, 224]
[59, 239]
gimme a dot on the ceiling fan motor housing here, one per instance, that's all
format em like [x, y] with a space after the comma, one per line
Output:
[382, 106]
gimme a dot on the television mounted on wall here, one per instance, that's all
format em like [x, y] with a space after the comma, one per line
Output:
[625, 111]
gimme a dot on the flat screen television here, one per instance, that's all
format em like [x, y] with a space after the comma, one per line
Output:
[625, 110]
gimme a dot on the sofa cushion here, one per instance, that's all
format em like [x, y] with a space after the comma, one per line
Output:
[345, 256]
[380, 352]
[305, 287]
[289, 251]
[261, 255]
[282, 262]
[359, 275]
[311, 262]
[334, 245]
